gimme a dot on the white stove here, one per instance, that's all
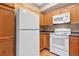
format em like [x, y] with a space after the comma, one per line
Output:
[59, 41]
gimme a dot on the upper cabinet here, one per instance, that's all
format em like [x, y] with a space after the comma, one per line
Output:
[60, 11]
[75, 14]
[10, 4]
[66, 9]
[42, 23]
[46, 19]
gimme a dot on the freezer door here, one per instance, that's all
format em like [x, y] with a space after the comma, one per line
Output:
[28, 43]
[27, 19]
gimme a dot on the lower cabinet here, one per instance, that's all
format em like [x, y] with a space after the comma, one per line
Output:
[44, 40]
[47, 40]
[74, 46]
[7, 48]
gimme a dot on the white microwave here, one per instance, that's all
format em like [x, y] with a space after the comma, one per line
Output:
[61, 18]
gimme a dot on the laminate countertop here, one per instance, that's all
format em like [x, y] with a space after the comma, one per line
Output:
[72, 34]
[75, 34]
[47, 31]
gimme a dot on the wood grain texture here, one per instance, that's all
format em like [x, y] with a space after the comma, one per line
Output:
[7, 31]
[75, 14]
[10, 4]
[74, 46]
[42, 19]
[7, 47]
[7, 7]
[7, 23]
[47, 40]
[44, 40]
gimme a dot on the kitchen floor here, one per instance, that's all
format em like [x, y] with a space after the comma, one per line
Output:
[46, 53]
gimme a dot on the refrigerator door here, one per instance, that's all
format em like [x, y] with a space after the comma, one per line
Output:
[28, 43]
[27, 19]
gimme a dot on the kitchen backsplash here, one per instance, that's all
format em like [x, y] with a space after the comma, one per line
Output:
[47, 28]
[66, 25]
[74, 27]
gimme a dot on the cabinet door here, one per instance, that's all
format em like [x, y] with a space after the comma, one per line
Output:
[7, 48]
[75, 14]
[42, 20]
[42, 37]
[7, 23]
[2, 52]
[74, 46]
[44, 41]
[48, 19]
[48, 40]
[64, 10]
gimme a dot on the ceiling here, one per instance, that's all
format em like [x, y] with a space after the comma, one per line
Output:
[40, 4]
[45, 7]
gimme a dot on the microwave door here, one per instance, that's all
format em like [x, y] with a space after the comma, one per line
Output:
[58, 20]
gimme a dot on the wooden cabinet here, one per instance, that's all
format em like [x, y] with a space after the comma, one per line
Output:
[64, 10]
[47, 45]
[75, 14]
[42, 20]
[7, 47]
[7, 22]
[74, 46]
[7, 30]
[10, 4]
[46, 19]
[44, 40]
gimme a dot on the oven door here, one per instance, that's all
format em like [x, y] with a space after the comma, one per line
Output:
[60, 41]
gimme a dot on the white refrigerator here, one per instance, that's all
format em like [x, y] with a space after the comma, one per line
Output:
[27, 33]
